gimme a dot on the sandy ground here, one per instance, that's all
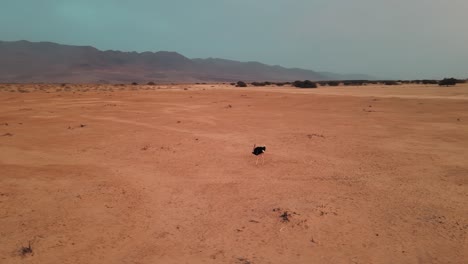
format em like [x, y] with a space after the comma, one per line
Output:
[160, 174]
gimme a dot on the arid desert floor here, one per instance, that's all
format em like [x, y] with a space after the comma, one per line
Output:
[164, 174]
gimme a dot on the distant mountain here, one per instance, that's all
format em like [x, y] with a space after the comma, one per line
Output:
[24, 61]
[337, 76]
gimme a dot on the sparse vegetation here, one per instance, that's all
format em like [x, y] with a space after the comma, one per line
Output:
[244, 261]
[333, 83]
[355, 82]
[258, 84]
[241, 84]
[429, 81]
[146, 147]
[305, 84]
[391, 83]
[285, 216]
[448, 82]
[24, 251]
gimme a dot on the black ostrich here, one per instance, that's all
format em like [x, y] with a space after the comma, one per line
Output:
[259, 151]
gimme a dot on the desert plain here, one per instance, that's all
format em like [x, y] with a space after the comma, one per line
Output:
[164, 174]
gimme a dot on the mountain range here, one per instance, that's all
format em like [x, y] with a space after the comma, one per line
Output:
[24, 61]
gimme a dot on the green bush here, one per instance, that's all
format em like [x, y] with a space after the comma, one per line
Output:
[333, 83]
[258, 84]
[304, 84]
[448, 82]
[429, 82]
[241, 84]
[391, 83]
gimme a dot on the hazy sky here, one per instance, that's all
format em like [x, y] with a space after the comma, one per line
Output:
[384, 38]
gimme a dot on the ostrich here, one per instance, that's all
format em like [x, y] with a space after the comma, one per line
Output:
[259, 151]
